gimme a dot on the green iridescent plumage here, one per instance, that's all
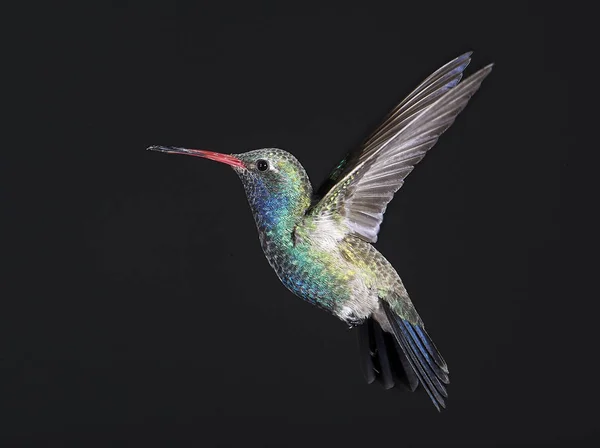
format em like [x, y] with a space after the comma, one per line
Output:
[320, 244]
[328, 273]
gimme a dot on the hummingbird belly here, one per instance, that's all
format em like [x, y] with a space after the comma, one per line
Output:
[347, 279]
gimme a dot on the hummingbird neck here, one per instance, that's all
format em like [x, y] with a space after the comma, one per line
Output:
[277, 212]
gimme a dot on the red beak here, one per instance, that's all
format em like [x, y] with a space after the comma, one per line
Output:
[218, 157]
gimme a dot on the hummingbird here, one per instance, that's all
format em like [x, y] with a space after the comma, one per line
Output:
[320, 242]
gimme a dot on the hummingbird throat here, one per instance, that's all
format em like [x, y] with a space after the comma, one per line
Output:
[277, 210]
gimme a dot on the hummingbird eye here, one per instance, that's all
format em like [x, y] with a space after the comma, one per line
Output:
[262, 165]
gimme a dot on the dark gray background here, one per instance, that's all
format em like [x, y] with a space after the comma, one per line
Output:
[138, 308]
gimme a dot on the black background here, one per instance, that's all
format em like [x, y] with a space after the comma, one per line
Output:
[138, 308]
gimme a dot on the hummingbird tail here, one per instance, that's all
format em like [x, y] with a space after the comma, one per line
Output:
[421, 357]
[382, 358]
[405, 355]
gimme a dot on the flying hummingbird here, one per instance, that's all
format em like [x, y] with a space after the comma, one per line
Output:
[320, 243]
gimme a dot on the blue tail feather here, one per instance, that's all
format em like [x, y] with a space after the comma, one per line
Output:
[439, 372]
[431, 348]
[417, 346]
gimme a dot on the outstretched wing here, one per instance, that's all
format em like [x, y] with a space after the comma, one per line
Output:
[362, 185]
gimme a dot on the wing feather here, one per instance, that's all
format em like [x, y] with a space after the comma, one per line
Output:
[362, 185]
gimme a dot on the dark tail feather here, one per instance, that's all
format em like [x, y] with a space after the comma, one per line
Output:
[403, 369]
[423, 357]
[366, 353]
[382, 359]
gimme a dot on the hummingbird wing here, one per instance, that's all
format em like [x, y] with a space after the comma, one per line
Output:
[360, 187]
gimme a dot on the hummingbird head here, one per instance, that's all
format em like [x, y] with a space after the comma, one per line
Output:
[276, 184]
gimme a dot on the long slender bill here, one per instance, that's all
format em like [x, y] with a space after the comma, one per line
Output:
[216, 156]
